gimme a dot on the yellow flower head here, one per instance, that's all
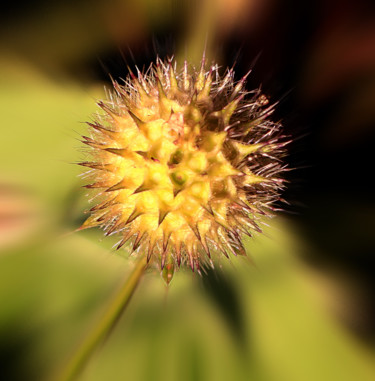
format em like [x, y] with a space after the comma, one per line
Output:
[185, 162]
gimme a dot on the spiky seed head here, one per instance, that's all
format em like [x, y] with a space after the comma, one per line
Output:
[185, 163]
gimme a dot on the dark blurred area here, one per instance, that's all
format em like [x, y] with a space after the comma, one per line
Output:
[318, 59]
[315, 58]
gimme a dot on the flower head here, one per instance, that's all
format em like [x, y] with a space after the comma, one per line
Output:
[185, 162]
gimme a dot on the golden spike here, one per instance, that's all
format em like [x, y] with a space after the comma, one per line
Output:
[220, 246]
[142, 153]
[197, 266]
[116, 151]
[98, 127]
[220, 221]
[159, 72]
[195, 230]
[105, 107]
[191, 259]
[150, 249]
[140, 123]
[242, 204]
[208, 209]
[205, 92]
[90, 222]
[213, 141]
[138, 240]
[244, 231]
[176, 191]
[240, 84]
[100, 166]
[229, 109]
[98, 184]
[164, 104]
[162, 215]
[123, 184]
[249, 126]
[166, 239]
[255, 226]
[177, 247]
[144, 97]
[142, 82]
[172, 78]
[114, 227]
[92, 143]
[104, 217]
[224, 240]
[251, 179]
[125, 97]
[186, 81]
[119, 89]
[235, 242]
[122, 152]
[132, 75]
[103, 205]
[193, 101]
[126, 238]
[133, 215]
[225, 80]
[240, 250]
[203, 242]
[205, 246]
[112, 113]
[142, 188]
[200, 82]
[265, 113]
[244, 150]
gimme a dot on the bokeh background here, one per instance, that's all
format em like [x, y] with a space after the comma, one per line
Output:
[305, 310]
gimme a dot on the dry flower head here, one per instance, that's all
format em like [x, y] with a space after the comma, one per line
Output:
[184, 163]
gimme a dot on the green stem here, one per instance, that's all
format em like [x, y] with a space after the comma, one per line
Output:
[116, 307]
[201, 29]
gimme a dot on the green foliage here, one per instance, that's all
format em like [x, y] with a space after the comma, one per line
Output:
[52, 286]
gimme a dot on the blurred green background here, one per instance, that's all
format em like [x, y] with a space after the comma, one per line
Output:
[305, 310]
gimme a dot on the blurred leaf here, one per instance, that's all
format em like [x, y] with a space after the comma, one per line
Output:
[52, 288]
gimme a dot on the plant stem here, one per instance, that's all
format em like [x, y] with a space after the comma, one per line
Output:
[202, 24]
[101, 329]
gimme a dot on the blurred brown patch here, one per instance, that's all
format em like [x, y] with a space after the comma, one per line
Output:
[19, 215]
